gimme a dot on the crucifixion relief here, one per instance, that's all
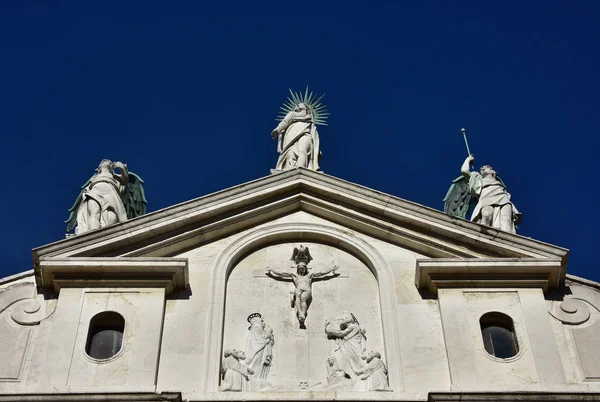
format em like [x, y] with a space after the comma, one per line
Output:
[303, 279]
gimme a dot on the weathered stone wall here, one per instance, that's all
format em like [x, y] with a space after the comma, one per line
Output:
[428, 342]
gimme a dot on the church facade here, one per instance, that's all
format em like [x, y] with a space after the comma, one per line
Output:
[299, 286]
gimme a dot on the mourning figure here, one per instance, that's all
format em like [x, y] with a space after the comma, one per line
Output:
[259, 352]
[375, 374]
[234, 373]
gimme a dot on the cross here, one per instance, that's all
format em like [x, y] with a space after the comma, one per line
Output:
[301, 299]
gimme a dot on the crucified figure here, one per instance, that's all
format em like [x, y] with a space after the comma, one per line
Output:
[303, 280]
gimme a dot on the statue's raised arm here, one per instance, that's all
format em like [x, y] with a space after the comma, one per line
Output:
[121, 173]
[465, 169]
[485, 193]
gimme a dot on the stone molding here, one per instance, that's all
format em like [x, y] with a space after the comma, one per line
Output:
[168, 273]
[427, 231]
[16, 277]
[443, 273]
[21, 300]
[582, 281]
[96, 397]
[572, 310]
[511, 396]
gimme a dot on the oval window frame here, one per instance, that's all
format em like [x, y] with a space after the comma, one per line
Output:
[121, 349]
[519, 343]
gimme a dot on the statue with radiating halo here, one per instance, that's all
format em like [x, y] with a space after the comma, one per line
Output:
[296, 133]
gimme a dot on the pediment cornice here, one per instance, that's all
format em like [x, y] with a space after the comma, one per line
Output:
[172, 230]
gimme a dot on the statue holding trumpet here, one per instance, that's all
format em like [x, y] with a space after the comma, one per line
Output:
[484, 193]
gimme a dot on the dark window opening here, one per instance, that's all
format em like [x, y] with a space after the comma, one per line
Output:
[105, 335]
[498, 332]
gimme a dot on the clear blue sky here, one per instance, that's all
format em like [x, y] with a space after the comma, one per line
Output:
[187, 93]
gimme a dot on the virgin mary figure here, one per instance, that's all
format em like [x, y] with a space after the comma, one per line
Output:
[259, 352]
[297, 140]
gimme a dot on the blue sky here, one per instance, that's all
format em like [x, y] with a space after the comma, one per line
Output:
[187, 93]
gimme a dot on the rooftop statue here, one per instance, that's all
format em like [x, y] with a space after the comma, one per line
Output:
[484, 193]
[296, 133]
[113, 194]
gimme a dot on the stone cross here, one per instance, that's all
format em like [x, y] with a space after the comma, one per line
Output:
[302, 280]
[301, 257]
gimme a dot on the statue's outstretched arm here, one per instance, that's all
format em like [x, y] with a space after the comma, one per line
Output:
[123, 177]
[323, 273]
[465, 169]
[282, 274]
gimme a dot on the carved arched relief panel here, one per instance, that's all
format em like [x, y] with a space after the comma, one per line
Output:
[300, 349]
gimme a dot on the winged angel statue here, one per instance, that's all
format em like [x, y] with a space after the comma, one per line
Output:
[297, 135]
[113, 194]
[485, 194]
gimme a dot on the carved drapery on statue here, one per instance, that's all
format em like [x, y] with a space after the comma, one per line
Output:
[375, 374]
[107, 197]
[249, 371]
[350, 367]
[259, 353]
[350, 339]
[297, 136]
[303, 358]
[234, 372]
[485, 194]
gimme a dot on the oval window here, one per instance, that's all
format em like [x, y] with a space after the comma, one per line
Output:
[105, 335]
[498, 332]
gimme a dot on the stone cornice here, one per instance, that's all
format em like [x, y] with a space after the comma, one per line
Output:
[16, 277]
[434, 274]
[583, 281]
[95, 397]
[427, 231]
[168, 273]
[512, 396]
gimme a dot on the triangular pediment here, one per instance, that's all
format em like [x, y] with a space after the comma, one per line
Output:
[170, 231]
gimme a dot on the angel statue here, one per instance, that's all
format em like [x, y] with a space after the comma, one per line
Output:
[484, 193]
[113, 194]
[296, 133]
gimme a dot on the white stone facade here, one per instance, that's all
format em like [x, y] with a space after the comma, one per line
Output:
[186, 278]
